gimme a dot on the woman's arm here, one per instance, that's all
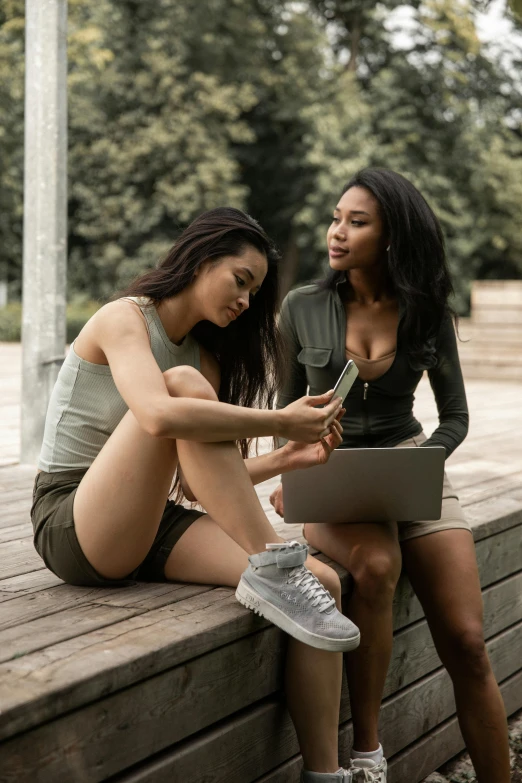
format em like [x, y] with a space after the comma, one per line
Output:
[122, 336]
[295, 456]
[448, 388]
[292, 456]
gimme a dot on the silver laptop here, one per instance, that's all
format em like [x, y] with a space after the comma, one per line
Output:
[367, 485]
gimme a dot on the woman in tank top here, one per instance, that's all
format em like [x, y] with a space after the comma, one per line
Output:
[173, 376]
[384, 304]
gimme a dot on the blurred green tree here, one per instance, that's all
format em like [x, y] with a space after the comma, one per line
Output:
[11, 141]
[150, 138]
[269, 105]
[442, 111]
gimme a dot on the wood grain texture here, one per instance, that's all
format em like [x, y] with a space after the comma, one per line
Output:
[61, 668]
[418, 760]
[249, 745]
[136, 722]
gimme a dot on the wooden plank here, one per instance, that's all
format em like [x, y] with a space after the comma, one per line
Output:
[248, 745]
[423, 757]
[93, 743]
[15, 532]
[17, 493]
[41, 685]
[47, 681]
[441, 744]
[23, 609]
[28, 583]
[496, 292]
[37, 634]
[171, 706]
[15, 476]
[494, 516]
[473, 370]
[18, 557]
[17, 505]
[495, 315]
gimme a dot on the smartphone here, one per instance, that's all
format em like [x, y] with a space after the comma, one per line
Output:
[346, 379]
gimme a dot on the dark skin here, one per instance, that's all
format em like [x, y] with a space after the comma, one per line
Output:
[441, 566]
[372, 309]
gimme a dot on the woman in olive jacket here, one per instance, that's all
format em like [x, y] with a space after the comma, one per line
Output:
[384, 304]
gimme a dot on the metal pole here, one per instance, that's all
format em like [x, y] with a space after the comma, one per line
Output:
[45, 214]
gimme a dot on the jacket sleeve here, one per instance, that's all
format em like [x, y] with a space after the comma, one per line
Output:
[448, 388]
[294, 383]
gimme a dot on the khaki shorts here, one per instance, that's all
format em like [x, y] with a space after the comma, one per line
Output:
[452, 516]
[56, 542]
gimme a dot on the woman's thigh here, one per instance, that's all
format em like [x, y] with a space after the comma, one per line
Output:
[205, 554]
[120, 501]
[442, 568]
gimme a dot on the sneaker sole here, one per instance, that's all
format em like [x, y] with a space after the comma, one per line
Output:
[246, 596]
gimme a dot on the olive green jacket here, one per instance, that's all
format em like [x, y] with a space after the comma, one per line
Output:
[378, 413]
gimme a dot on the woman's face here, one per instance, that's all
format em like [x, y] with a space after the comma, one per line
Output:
[356, 237]
[224, 288]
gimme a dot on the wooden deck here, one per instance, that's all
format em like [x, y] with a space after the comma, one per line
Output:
[171, 682]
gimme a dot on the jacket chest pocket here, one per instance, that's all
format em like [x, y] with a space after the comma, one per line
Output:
[318, 368]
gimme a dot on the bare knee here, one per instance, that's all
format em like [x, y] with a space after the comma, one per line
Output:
[186, 381]
[463, 652]
[375, 574]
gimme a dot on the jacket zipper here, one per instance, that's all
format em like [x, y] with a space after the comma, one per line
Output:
[365, 410]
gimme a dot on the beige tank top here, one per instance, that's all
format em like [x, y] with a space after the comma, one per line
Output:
[86, 407]
[371, 369]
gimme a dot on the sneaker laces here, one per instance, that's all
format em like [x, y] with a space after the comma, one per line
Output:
[367, 774]
[310, 586]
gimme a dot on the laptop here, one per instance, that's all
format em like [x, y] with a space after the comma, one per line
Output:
[368, 485]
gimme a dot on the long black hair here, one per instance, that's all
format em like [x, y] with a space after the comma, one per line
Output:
[416, 262]
[248, 350]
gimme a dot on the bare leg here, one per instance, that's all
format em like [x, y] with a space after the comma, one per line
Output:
[371, 553]
[118, 508]
[443, 571]
[205, 554]
[217, 476]
[120, 500]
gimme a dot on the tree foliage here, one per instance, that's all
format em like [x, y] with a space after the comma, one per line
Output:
[270, 105]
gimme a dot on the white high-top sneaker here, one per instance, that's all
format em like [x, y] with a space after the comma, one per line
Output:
[278, 586]
[367, 771]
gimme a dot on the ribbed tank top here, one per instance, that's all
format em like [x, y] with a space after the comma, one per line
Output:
[86, 407]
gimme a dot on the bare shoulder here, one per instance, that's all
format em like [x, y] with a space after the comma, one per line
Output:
[119, 316]
[210, 368]
[116, 322]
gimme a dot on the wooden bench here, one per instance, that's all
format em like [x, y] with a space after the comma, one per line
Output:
[492, 336]
[171, 682]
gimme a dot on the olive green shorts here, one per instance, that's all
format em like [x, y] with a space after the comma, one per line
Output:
[56, 542]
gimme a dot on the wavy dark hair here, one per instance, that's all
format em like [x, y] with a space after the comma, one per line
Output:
[416, 262]
[249, 349]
